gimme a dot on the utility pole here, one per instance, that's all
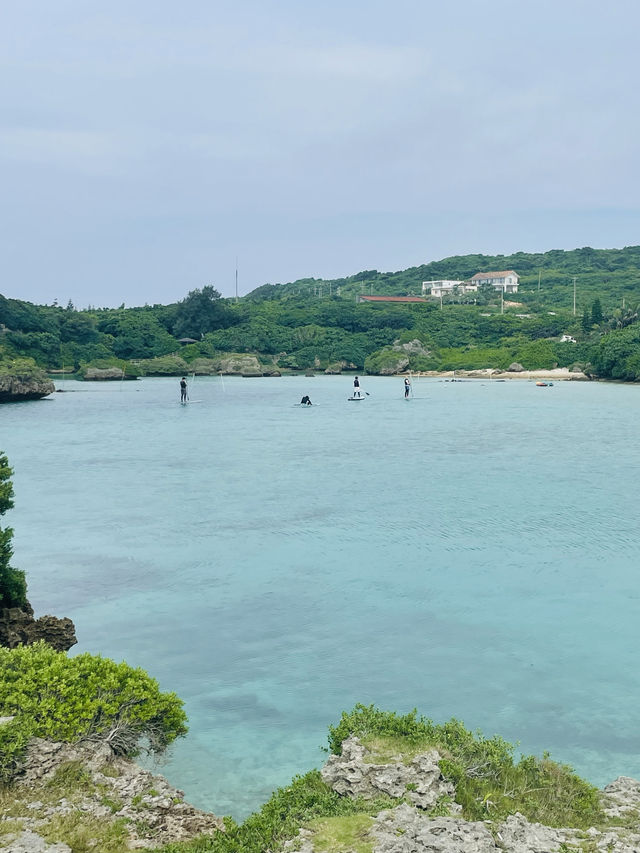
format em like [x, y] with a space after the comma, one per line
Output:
[236, 278]
[502, 300]
[539, 273]
[574, 296]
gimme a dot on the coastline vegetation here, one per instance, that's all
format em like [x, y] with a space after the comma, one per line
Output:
[316, 324]
[490, 785]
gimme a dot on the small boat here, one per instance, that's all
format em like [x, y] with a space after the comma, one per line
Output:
[542, 384]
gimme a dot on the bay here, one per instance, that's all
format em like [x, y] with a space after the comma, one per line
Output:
[472, 552]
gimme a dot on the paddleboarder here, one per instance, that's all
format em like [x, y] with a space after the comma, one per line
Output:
[183, 390]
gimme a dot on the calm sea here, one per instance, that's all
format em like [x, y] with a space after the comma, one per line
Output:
[473, 553]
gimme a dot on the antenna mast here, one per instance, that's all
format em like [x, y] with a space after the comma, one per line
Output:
[236, 278]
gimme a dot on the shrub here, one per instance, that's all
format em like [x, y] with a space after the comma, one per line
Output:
[82, 698]
[489, 783]
[306, 799]
[13, 586]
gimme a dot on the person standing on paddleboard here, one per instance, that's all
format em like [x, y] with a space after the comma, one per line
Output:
[407, 387]
[356, 387]
[183, 390]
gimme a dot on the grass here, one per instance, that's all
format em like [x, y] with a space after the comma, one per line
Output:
[339, 834]
[86, 834]
[489, 783]
[390, 749]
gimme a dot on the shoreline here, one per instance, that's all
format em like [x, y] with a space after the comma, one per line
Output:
[557, 373]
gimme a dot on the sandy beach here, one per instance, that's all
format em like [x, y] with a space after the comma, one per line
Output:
[556, 374]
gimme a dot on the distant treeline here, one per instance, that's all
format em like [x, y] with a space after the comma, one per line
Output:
[312, 324]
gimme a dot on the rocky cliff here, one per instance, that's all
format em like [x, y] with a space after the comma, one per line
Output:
[412, 826]
[63, 787]
[15, 388]
[19, 627]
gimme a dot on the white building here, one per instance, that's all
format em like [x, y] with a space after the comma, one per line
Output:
[505, 280]
[442, 287]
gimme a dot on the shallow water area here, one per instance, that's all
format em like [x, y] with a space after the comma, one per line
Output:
[472, 552]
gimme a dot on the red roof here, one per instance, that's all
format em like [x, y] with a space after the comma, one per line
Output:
[392, 299]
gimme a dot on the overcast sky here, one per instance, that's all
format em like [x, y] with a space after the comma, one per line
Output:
[146, 144]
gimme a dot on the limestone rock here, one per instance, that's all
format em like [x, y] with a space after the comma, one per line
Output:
[419, 781]
[414, 347]
[236, 365]
[621, 797]
[400, 365]
[105, 374]
[13, 389]
[408, 830]
[29, 842]
[156, 811]
[18, 627]
[517, 835]
[515, 367]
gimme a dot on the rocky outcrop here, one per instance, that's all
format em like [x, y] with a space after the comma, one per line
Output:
[515, 367]
[407, 830]
[105, 374]
[112, 789]
[419, 780]
[30, 842]
[14, 389]
[414, 347]
[236, 365]
[517, 834]
[621, 797]
[411, 826]
[18, 627]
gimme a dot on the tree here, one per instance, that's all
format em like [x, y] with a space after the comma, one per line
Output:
[596, 312]
[13, 587]
[201, 311]
[586, 321]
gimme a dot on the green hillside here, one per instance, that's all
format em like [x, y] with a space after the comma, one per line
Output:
[312, 324]
[611, 274]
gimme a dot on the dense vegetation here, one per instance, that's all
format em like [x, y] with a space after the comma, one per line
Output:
[13, 586]
[68, 699]
[318, 324]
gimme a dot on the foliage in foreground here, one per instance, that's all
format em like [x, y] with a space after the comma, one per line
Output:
[67, 699]
[306, 799]
[490, 784]
[13, 587]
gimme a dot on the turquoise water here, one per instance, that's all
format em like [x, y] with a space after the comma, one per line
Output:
[473, 552]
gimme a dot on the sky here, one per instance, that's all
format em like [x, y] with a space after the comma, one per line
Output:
[146, 145]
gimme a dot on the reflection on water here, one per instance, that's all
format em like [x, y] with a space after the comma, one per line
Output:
[473, 553]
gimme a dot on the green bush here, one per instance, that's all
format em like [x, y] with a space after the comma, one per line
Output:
[164, 365]
[24, 369]
[13, 586]
[489, 783]
[56, 697]
[384, 360]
